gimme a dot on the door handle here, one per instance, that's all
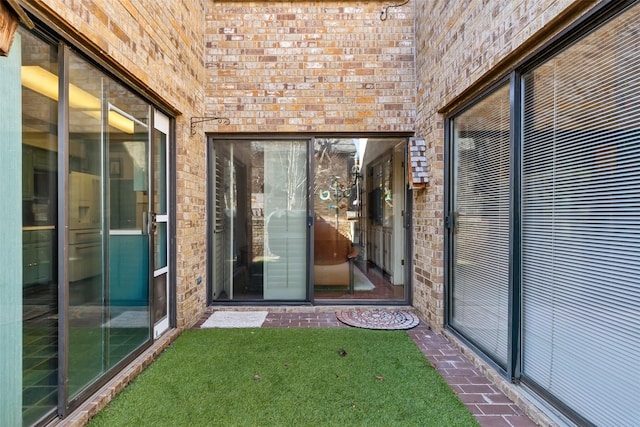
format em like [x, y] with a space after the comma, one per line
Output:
[451, 222]
[149, 224]
[154, 224]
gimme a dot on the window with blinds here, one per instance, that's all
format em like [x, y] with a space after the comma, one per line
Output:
[479, 303]
[581, 224]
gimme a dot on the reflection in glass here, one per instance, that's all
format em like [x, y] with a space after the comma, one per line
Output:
[87, 288]
[481, 201]
[39, 206]
[358, 232]
[128, 310]
[259, 240]
[109, 318]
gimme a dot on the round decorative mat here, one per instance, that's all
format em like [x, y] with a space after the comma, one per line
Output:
[378, 319]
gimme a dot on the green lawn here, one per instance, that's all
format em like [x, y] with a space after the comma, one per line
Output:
[288, 377]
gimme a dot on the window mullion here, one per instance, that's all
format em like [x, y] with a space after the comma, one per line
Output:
[513, 367]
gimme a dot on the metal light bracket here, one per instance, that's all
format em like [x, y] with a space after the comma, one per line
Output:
[383, 13]
[196, 120]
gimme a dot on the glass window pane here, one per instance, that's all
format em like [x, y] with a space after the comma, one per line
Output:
[87, 288]
[285, 213]
[127, 140]
[358, 234]
[160, 256]
[39, 226]
[259, 221]
[108, 156]
[160, 297]
[481, 204]
[581, 224]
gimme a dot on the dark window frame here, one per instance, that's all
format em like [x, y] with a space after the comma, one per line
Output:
[450, 221]
[407, 229]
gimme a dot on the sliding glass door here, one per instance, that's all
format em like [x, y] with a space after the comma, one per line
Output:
[359, 204]
[481, 205]
[302, 219]
[108, 273]
[94, 168]
[544, 222]
[258, 220]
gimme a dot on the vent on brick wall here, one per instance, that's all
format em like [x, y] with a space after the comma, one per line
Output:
[418, 176]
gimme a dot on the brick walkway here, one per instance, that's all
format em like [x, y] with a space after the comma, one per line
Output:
[485, 401]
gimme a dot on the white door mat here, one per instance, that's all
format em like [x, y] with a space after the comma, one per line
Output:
[235, 319]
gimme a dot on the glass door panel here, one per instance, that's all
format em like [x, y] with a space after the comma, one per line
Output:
[109, 316]
[39, 227]
[480, 237]
[107, 258]
[259, 221]
[129, 257]
[285, 212]
[86, 274]
[359, 237]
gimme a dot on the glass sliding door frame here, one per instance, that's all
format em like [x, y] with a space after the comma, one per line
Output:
[63, 227]
[247, 195]
[160, 231]
[76, 110]
[68, 401]
[508, 365]
[515, 368]
[215, 262]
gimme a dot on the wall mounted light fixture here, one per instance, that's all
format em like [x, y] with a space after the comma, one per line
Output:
[418, 174]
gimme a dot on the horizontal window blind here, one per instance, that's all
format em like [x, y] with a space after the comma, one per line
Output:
[581, 224]
[480, 281]
[220, 232]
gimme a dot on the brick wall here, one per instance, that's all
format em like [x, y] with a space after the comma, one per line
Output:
[309, 66]
[462, 46]
[160, 43]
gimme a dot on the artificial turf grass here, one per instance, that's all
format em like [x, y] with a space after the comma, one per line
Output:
[293, 377]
